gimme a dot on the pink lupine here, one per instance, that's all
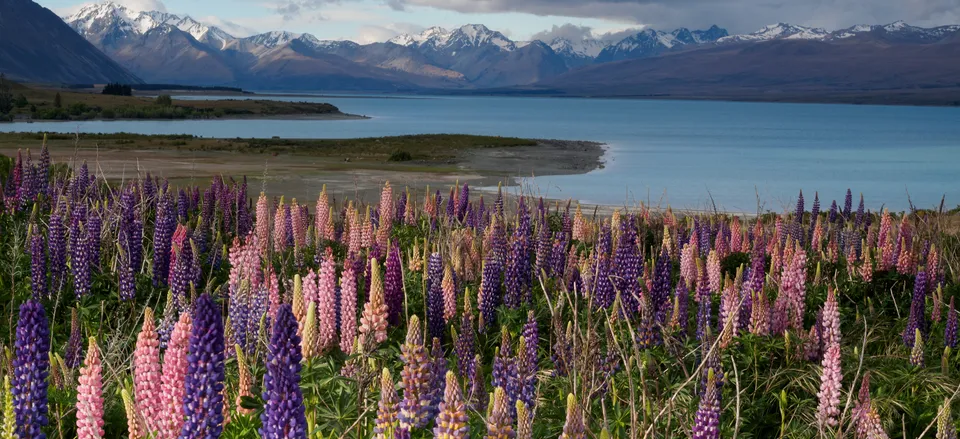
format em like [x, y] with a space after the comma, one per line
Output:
[736, 245]
[356, 231]
[713, 271]
[326, 303]
[829, 395]
[366, 232]
[410, 216]
[300, 224]
[273, 290]
[348, 309]
[886, 254]
[886, 222]
[146, 372]
[905, 263]
[387, 213]
[90, 395]
[759, 314]
[310, 291]
[688, 263]
[866, 268]
[579, 226]
[323, 214]
[263, 224]
[373, 322]
[172, 382]
[795, 280]
[449, 295]
[280, 227]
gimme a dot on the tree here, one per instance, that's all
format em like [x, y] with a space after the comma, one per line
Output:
[57, 102]
[6, 98]
[164, 100]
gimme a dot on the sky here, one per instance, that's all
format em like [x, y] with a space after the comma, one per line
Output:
[368, 21]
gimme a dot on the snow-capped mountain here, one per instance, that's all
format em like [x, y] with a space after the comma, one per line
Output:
[651, 42]
[580, 52]
[467, 36]
[779, 31]
[110, 21]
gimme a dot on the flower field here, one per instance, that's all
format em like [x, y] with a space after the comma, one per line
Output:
[143, 310]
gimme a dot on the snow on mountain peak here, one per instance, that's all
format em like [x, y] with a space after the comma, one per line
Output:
[780, 31]
[103, 17]
[431, 34]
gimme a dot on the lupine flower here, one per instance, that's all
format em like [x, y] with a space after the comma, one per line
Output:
[57, 247]
[326, 302]
[163, 230]
[505, 372]
[946, 429]
[31, 365]
[918, 318]
[8, 430]
[524, 421]
[393, 285]
[449, 295]
[244, 380]
[950, 331]
[90, 396]
[660, 294]
[373, 322]
[38, 264]
[417, 376]
[283, 411]
[135, 428]
[203, 396]
[146, 375]
[438, 370]
[465, 341]
[679, 318]
[829, 395]
[916, 354]
[387, 412]
[173, 379]
[500, 421]
[574, 427]
[348, 309]
[489, 296]
[707, 422]
[434, 296]
[74, 349]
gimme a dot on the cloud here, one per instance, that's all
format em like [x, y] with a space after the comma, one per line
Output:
[573, 32]
[144, 5]
[736, 15]
[367, 34]
[235, 29]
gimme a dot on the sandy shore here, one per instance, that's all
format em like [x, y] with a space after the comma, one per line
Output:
[303, 176]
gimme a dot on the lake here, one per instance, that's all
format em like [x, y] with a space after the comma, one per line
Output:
[684, 153]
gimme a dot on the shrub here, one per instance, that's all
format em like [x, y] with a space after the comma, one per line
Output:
[400, 156]
[164, 100]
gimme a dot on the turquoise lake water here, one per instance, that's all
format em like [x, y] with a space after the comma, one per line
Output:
[683, 153]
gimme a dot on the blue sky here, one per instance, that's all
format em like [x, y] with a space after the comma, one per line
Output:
[364, 20]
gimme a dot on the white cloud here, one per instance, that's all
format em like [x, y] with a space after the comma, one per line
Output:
[144, 5]
[367, 34]
[235, 29]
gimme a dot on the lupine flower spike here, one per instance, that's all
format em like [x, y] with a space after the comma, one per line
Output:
[452, 420]
[387, 411]
[90, 396]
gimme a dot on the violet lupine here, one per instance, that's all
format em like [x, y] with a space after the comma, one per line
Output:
[438, 370]
[348, 309]
[505, 372]
[326, 302]
[57, 247]
[393, 285]
[90, 395]
[38, 264]
[172, 381]
[74, 350]
[452, 420]
[182, 275]
[681, 299]
[573, 427]
[80, 261]
[603, 288]
[829, 395]
[203, 395]
[950, 331]
[465, 341]
[387, 423]
[416, 377]
[918, 318]
[31, 365]
[162, 239]
[146, 372]
[500, 420]
[660, 294]
[435, 321]
[373, 321]
[489, 296]
[627, 263]
[283, 411]
[707, 421]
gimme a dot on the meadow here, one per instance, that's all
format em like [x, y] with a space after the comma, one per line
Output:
[141, 309]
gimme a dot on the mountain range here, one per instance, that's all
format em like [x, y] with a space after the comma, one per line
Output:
[160, 47]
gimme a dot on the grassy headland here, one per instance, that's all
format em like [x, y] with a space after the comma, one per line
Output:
[35, 103]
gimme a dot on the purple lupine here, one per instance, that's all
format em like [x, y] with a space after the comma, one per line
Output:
[181, 276]
[504, 372]
[283, 410]
[73, 355]
[438, 362]
[163, 230]
[512, 273]
[627, 263]
[203, 398]
[80, 260]
[463, 201]
[435, 322]
[918, 317]
[43, 171]
[31, 365]
[94, 226]
[603, 292]
[38, 264]
[57, 248]
[466, 339]
[544, 252]
[703, 318]
[707, 422]
[183, 206]
[814, 214]
[847, 205]
[393, 284]
[660, 293]
[528, 379]
[950, 331]
[681, 299]
[859, 217]
[832, 216]
[489, 297]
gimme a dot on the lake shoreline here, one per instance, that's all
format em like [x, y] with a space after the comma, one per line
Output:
[307, 116]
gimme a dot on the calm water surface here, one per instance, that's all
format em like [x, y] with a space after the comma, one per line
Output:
[687, 154]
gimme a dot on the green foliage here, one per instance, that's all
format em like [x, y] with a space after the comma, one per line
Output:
[6, 98]
[164, 100]
[117, 89]
[400, 156]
